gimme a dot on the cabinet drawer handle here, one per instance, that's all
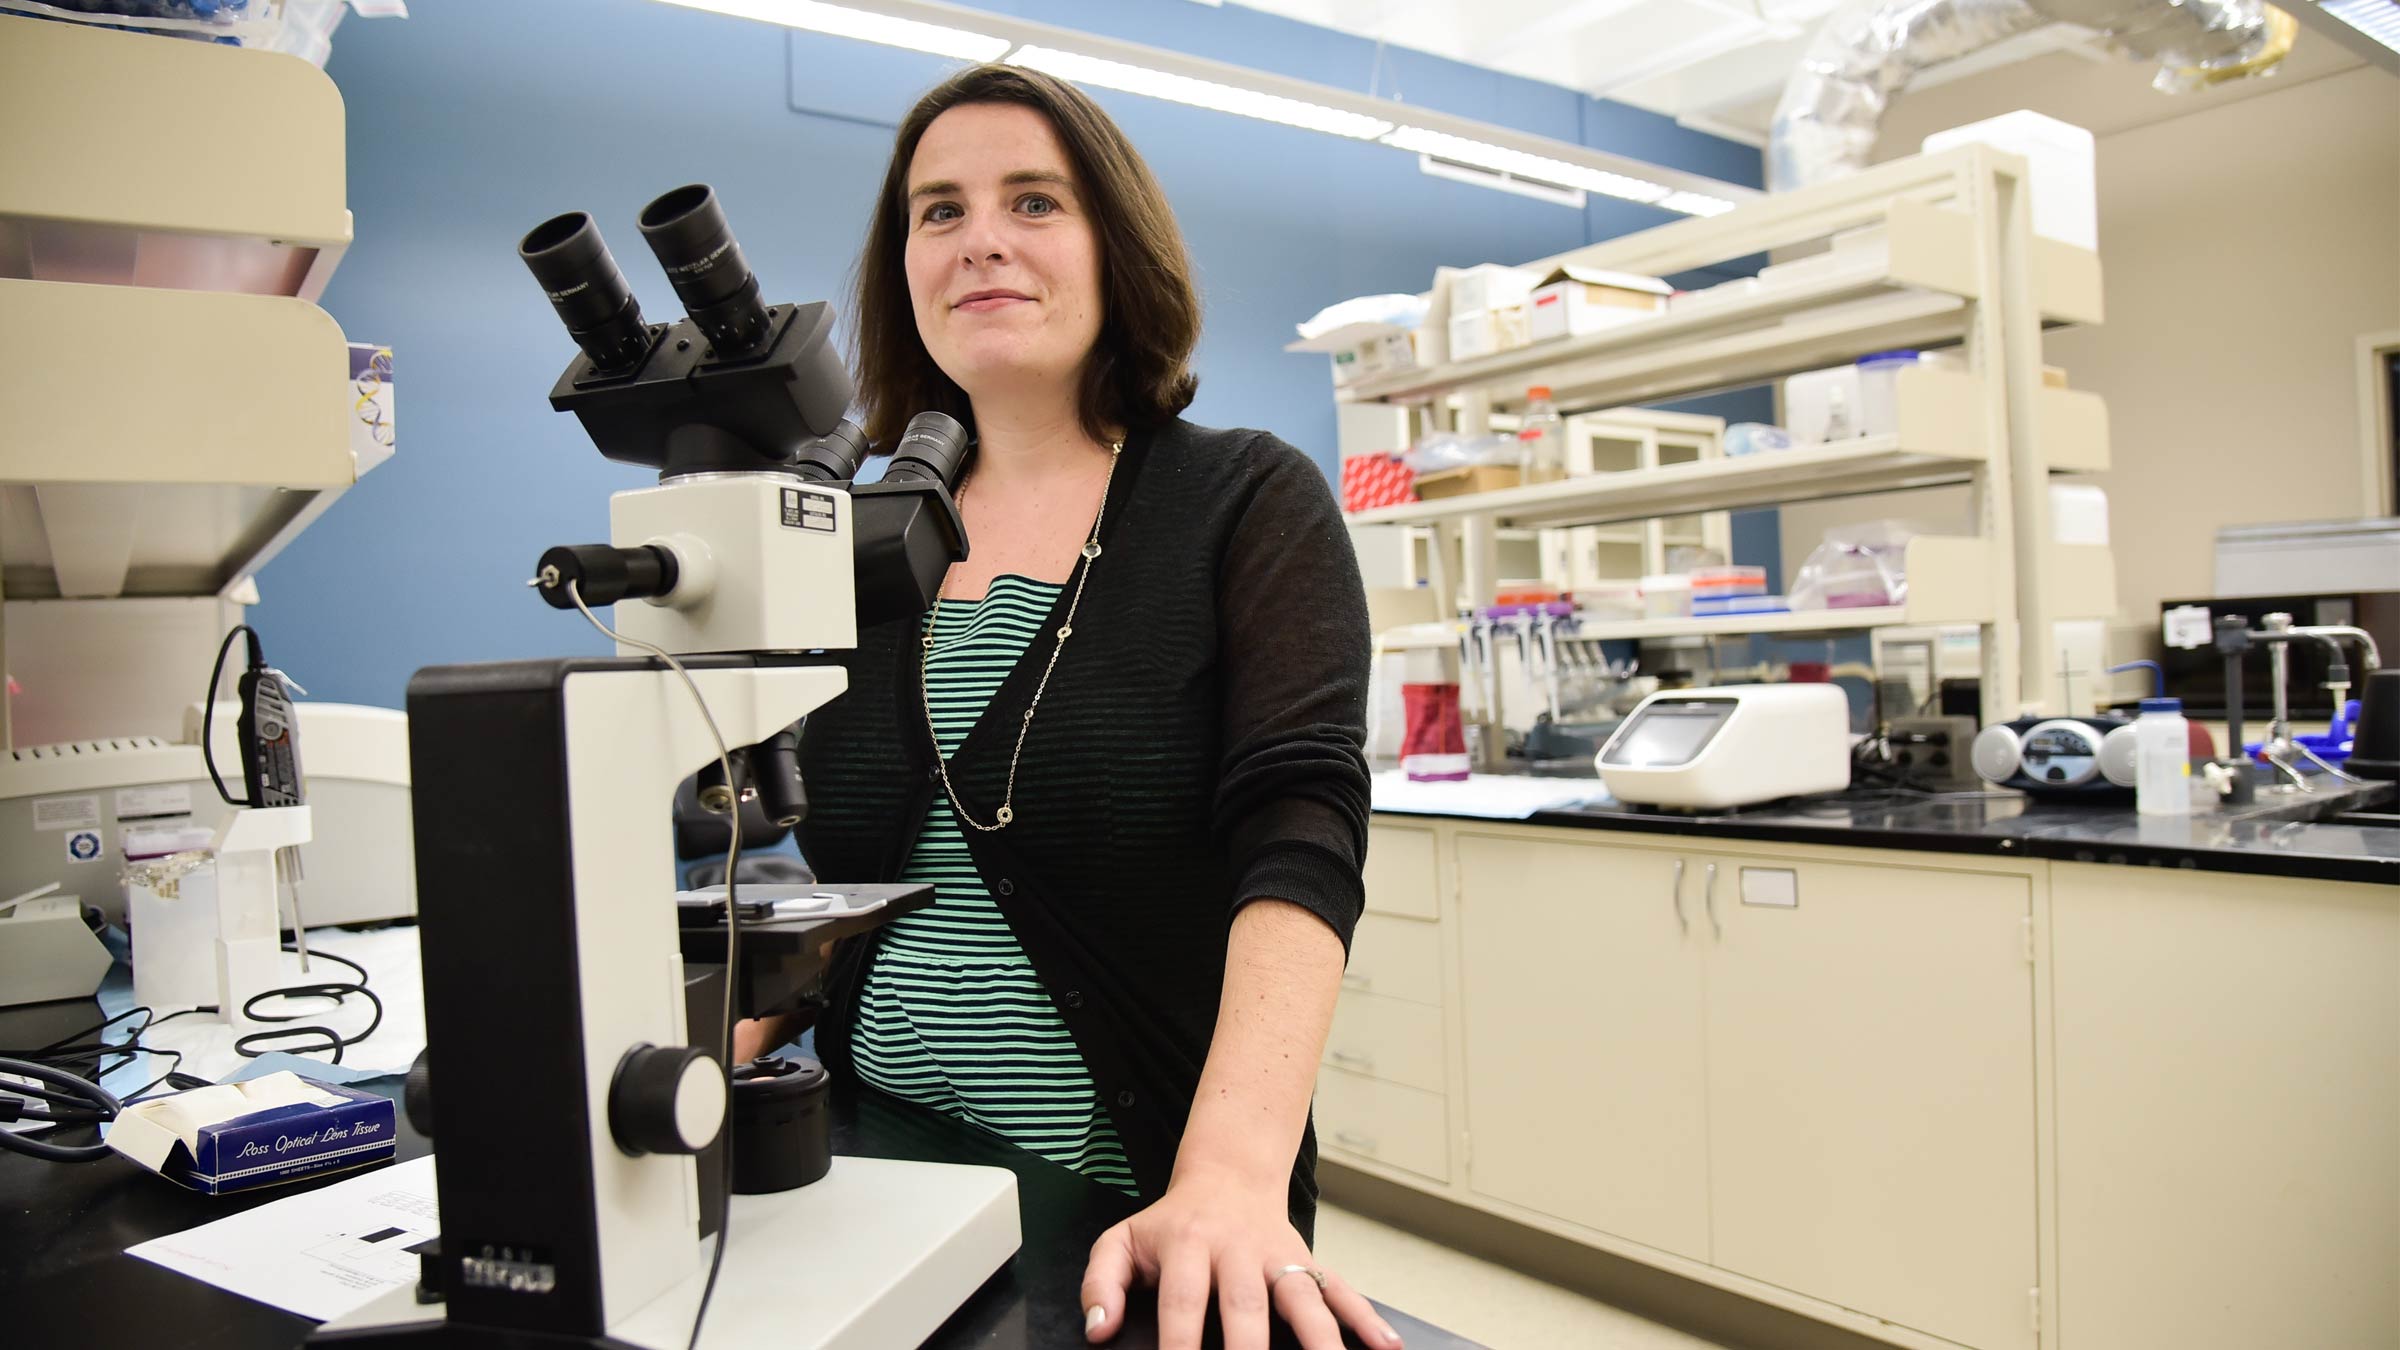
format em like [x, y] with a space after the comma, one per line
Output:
[1354, 980]
[1709, 893]
[1352, 1059]
[1677, 896]
[1356, 1143]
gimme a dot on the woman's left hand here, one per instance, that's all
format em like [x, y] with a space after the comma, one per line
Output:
[1213, 1230]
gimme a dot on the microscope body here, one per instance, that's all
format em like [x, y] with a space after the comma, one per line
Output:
[575, 1080]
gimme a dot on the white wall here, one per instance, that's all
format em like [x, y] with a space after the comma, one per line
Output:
[2245, 248]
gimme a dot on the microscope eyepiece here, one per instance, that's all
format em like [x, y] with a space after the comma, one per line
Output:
[931, 450]
[833, 457]
[687, 230]
[566, 255]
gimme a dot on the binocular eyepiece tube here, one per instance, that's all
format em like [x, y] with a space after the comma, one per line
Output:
[686, 228]
[565, 254]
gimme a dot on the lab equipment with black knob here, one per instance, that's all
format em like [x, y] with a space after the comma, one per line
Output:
[2059, 756]
[752, 563]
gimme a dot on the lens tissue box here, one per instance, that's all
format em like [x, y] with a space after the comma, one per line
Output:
[239, 1136]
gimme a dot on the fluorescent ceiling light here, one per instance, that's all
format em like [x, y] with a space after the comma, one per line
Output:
[1518, 163]
[864, 25]
[2378, 19]
[1291, 112]
[1501, 182]
[1696, 204]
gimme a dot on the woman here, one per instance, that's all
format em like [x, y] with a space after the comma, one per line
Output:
[1125, 744]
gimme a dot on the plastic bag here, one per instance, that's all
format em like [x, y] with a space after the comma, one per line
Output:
[1442, 450]
[1857, 567]
[303, 28]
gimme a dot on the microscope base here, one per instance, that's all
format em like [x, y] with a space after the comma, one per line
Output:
[876, 1255]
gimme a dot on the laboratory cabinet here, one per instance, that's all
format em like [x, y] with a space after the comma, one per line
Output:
[1937, 1099]
[1817, 1075]
[2228, 1110]
[1383, 1089]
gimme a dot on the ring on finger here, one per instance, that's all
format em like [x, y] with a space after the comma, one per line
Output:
[1310, 1271]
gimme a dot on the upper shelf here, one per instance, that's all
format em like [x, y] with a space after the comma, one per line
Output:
[1940, 439]
[148, 161]
[1914, 292]
[174, 464]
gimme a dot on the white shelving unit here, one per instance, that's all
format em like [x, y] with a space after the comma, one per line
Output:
[1958, 264]
[174, 407]
[1624, 440]
[142, 161]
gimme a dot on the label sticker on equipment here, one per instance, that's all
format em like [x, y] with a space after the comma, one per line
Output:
[67, 813]
[2188, 626]
[807, 510]
[83, 846]
[154, 801]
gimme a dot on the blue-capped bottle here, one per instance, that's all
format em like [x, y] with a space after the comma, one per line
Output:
[2162, 753]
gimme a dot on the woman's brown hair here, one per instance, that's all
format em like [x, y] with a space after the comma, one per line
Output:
[1138, 373]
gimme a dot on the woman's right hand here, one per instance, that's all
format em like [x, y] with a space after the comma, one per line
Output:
[753, 1037]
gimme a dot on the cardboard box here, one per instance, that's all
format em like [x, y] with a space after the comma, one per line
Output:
[1510, 327]
[1472, 478]
[2063, 159]
[1488, 286]
[240, 1136]
[1473, 335]
[1575, 300]
[1378, 355]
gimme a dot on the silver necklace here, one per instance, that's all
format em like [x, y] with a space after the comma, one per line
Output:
[1007, 811]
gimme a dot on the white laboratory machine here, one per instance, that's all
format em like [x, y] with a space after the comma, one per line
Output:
[1732, 746]
[65, 810]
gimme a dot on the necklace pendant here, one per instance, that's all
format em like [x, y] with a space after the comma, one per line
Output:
[1091, 550]
[1004, 815]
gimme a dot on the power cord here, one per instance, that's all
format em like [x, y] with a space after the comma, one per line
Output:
[208, 710]
[256, 1043]
[733, 939]
[57, 1108]
[80, 1100]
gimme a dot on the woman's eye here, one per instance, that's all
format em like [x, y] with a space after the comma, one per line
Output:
[941, 212]
[1037, 205]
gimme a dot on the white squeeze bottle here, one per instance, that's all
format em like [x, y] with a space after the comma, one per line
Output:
[2162, 783]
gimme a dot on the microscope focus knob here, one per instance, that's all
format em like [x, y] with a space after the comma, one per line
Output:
[416, 1096]
[666, 1099]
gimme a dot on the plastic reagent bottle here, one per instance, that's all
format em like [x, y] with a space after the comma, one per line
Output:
[1542, 438]
[2162, 759]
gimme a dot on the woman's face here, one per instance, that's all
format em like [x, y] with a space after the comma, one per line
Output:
[1003, 259]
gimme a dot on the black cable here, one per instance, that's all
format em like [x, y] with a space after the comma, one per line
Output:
[254, 1045]
[208, 710]
[104, 1107]
[63, 1045]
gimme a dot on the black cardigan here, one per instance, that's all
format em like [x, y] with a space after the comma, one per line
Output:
[1200, 746]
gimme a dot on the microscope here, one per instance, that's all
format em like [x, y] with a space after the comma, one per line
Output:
[575, 1083]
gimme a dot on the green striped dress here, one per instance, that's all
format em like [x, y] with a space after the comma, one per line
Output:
[951, 1014]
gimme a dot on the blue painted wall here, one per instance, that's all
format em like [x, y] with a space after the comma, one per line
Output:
[470, 122]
